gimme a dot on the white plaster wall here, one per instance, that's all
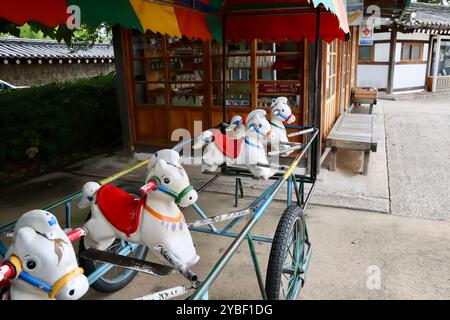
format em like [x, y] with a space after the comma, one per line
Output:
[401, 36]
[372, 75]
[425, 52]
[409, 75]
[413, 36]
[382, 36]
[398, 52]
[381, 53]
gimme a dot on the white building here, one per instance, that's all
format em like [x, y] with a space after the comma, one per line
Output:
[400, 58]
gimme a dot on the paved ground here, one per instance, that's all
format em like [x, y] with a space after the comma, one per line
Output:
[418, 136]
[411, 254]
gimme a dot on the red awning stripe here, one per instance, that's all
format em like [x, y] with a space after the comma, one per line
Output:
[48, 12]
[282, 27]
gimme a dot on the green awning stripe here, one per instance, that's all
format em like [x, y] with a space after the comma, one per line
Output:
[95, 12]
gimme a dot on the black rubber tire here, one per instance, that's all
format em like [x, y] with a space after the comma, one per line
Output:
[88, 265]
[279, 246]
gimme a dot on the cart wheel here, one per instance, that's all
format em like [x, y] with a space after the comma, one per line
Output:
[116, 278]
[284, 273]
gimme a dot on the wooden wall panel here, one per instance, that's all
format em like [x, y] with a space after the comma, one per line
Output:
[151, 125]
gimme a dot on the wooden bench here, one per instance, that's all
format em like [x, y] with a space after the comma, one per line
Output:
[364, 96]
[353, 132]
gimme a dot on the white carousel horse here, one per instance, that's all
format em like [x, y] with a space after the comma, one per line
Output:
[236, 129]
[280, 112]
[41, 262]
[248, 150]
[154, 219]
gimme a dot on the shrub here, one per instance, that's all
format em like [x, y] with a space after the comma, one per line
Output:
[55, 121]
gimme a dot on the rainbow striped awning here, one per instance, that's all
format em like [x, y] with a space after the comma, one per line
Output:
[203, 19]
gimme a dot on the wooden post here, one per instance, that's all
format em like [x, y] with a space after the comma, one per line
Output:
[122, 94]
[315, 56]
[365, 170]
[333, 159]
[436, 62]
[392, 50]
[254, 77]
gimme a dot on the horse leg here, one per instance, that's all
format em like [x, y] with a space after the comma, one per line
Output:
[212, 158]
[100, 233]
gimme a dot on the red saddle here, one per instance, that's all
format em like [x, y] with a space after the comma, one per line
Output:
[120, 208]
[230, 147]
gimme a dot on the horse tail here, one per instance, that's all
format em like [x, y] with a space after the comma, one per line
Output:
[204, 139]
[89, 190]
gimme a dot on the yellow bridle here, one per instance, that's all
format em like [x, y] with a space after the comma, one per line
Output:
[54, 289]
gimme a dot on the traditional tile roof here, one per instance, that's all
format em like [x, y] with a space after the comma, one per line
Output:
[426, 17]
[19, 48]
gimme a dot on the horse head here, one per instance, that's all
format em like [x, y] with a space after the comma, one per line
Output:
[166, 174]
[257, 125]
[280, 110]
[44, 261]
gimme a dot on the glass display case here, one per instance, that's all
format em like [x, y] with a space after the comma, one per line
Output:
[278, 67]
[186, 72]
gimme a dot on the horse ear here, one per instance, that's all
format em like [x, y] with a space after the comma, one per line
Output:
[274, 102]
[24, 235]
[161, 164]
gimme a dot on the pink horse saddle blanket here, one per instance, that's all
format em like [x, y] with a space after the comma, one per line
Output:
[230, 148]
[120, 208]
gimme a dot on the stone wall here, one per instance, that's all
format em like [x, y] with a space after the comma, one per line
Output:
[39, 74]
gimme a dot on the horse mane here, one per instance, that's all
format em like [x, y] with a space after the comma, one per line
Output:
[59, 248]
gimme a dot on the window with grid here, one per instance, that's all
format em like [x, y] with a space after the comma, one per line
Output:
[167, 71]
[365, 54]
[412, 52]
[331, 69]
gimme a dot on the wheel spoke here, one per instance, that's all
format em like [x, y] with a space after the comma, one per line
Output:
[289, 270]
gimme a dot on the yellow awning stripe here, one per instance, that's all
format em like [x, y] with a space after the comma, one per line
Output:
[157, 17]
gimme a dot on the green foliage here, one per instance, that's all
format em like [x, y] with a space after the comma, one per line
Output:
[77, 39]
[52, 122]
[26, 31]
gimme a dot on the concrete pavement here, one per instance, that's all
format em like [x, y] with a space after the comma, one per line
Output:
[411, 255]
[418, 136]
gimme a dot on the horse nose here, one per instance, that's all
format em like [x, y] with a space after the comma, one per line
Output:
[291, 119]
[74, 289]
[189, 199]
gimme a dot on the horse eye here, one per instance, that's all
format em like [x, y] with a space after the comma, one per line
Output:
[282, 110]
[260, 125]
[31, 264]
[166, 180]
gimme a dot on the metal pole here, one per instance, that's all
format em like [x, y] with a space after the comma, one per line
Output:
[315, 148]
[251, 247]
[224, 68]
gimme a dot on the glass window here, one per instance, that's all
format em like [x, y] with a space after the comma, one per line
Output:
[444, 59]
[365, 53]
[416, 53]
[147, 45]
[406, 51]
[411, 52]
[149, 94]
[148, 69]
